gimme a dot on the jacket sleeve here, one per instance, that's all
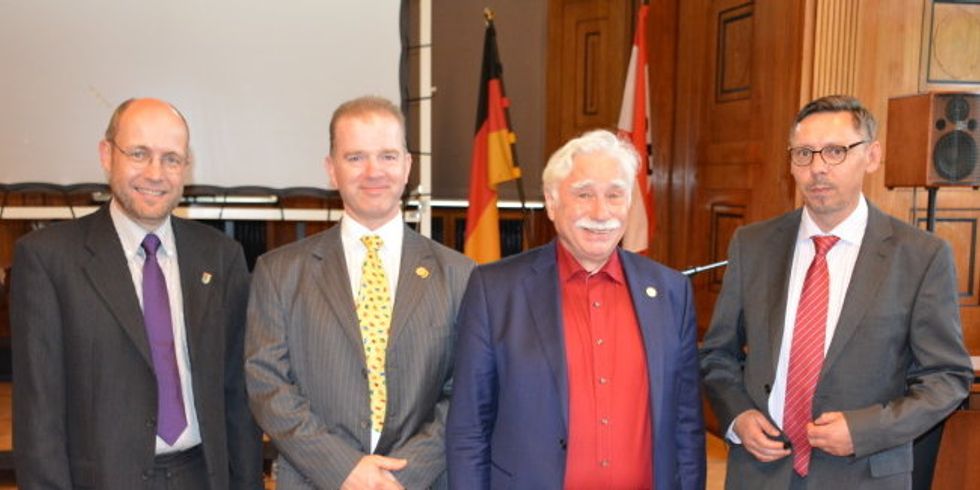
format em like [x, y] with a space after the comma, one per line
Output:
[40, 409]
[244, 436]
[691, 464]
[474, 402]
[722, 353]
[940, 376]
[280, 407]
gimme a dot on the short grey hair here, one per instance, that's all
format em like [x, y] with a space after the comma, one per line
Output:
[864, 120]
[595, 141]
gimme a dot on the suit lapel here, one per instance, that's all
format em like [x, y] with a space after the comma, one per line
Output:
[334, 282]
[776, 280]
[872, 263]
[196, 263]
[108, 272]
[652, 310]
[544, 300]
[416, 256]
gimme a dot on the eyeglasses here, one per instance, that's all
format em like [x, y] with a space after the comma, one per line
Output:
[831, 154]
[141, 156]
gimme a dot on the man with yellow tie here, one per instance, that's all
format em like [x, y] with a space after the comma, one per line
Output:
[348, 346]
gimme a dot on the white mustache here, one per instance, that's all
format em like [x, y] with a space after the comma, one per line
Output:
[598, 226]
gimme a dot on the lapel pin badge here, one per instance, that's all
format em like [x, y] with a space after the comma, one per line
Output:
[206, 278]
[422, 272]
[651, 291]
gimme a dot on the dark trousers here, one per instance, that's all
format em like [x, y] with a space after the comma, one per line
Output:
[185, 470]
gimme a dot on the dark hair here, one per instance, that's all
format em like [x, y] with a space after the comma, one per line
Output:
[864, 120]
[361, 106]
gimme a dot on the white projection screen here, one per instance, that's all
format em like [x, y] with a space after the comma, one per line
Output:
[257, 81]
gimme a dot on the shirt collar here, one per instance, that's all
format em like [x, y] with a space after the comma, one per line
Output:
[131, 233]
[851, 230]
[391, 233]
[569, 268]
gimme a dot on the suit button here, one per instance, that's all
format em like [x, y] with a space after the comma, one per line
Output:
[147, 474]
[365, 424]
[151, 423]
[364, 373]
[768, 388]
[563, 444]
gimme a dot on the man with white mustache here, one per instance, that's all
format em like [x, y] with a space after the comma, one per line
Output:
[576, 362]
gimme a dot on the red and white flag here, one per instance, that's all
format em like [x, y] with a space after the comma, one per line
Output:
[634, 125]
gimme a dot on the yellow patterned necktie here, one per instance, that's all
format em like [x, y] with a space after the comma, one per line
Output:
[374, 316]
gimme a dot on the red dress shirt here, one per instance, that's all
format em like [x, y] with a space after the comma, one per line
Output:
[609, 440]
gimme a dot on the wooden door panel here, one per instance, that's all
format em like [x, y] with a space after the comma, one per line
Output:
[588, 51]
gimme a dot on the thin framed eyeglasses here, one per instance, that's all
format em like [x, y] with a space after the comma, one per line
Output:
[141, 156]
[802, 156]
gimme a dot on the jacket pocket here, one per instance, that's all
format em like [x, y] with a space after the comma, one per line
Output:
[499, 477]
[891, 461]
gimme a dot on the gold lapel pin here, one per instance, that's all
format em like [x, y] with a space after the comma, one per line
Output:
[651, 291]
[206, 278]
[422, 272]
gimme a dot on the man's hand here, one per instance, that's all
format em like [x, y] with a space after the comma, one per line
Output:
[830, 434]
[373, 472]
[759, 436]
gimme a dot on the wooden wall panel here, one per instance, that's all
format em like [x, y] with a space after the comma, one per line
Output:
[732, 123]
[835, 33]
[733, 69]
[889, 64]
[589, 42]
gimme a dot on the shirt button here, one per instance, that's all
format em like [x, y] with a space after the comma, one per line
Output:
[596, 304]
[603, 380]
[604, 463]
[600, 341]
[604, 421]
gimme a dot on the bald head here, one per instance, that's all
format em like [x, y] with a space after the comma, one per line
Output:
[145, 157]
[140, 105]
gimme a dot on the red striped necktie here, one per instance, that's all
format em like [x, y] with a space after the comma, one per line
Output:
[806, 353]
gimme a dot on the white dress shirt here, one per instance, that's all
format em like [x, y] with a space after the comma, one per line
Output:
[840, 264]
[392, 234]
[131, 235]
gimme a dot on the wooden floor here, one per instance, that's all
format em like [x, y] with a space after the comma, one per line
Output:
[716, 449]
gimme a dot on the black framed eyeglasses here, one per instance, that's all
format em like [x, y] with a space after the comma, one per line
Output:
[802, 156]
[141, 156]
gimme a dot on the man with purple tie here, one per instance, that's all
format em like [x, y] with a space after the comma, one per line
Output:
[128, 330]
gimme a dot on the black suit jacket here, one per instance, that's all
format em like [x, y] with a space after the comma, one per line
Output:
[85, 395]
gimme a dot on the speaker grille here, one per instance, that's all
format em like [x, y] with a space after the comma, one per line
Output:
[955, 156]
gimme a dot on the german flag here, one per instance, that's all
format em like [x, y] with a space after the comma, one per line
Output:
[493, 158]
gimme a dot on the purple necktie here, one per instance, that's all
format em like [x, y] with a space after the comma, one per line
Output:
[159, 328]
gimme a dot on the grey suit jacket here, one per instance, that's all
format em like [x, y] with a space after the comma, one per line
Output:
[305, 366]
[85, 396]
[895, 367]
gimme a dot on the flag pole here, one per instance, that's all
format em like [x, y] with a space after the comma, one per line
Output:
[488, 17]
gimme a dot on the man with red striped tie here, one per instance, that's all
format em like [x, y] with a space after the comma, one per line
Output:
[836, 338]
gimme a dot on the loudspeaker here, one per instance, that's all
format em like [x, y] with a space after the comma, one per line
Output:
[933, 140]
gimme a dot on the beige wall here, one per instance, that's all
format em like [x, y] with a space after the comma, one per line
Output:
[457, 40]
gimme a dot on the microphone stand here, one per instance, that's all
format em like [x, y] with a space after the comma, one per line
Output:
[702, 268]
